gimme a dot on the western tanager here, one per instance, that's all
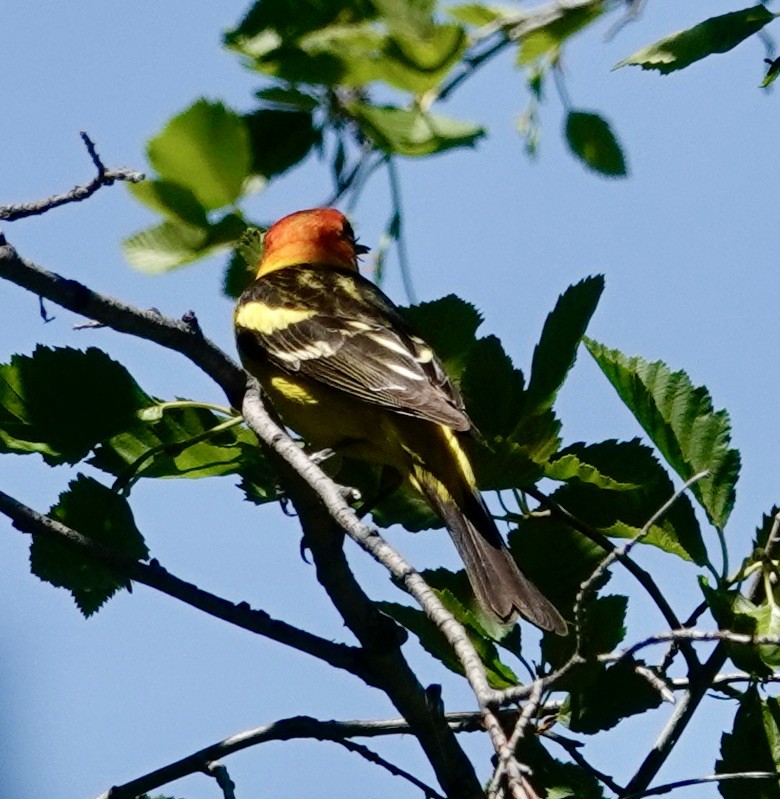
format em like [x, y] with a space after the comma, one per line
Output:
[344, 370]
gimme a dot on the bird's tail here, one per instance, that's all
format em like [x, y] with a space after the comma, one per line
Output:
[500, 587]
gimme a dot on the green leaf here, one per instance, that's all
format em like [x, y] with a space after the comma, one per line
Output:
[556, 351]
[449, 325]
[288, 98]
[604, 627]
[550, 37]
[170, 245]
[734, 612]
[205, 149]
[714, 35]
[623, 513]
[176, 203]
[555, 557]
[502, 463]
[178, 443]
[606, 696]
[417, 63]
[478, 15]
[591, 139]
[237, 276]
[765, 528]
[499, 675]
[771, 74]
[552, 778]
[568, 466]
[492, 388]
[752, 745]
[294, 18]
[413, 132]
[406, 507]
[280, 139]
[61, 402]
[101, 515]
[680, 421]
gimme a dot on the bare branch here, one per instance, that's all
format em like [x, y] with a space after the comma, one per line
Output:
[261, 423]
[155, 576]
[673, 786]
[173, 334]
[372, 757]
[572, 748]
[289, 729]
[104, 177]
[642, 576]
[220, 774]
[700, 682]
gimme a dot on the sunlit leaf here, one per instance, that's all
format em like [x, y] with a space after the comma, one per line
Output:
[680, 421]
[715, 35]
[413, 132]
[565, 22]
[205, 149]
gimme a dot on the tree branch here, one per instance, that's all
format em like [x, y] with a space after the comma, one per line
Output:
[104, 177]
[155, 576]
[174, 334]
[701, 680]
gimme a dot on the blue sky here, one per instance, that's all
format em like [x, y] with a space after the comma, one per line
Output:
[688, 245]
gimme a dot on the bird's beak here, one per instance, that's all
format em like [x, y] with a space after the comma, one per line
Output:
[361, 249]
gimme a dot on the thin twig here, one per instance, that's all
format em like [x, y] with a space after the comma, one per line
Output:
[155, 576]
[260, 422]
[572, 748]
[372, 757]
[701, 680]
[289, 729]
[673, 786]
[642, 576]
[400, 236]
[104, 177]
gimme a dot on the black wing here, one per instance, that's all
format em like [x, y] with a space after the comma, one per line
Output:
[336, 327]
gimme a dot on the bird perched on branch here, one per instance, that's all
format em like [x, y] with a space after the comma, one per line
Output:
[344, 370]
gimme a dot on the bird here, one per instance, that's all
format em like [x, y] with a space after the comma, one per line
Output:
[345, 371]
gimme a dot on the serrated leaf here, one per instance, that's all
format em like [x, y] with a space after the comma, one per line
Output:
[556, 351]
[170, 245]
[279, 139]
[752, 745]
[413, 132]
[449, 325]
[624, 513]
[498, 674]
[764, 529]
[550, 37]
[174, 202]
[61, 402]
[604, 627]
[206, 149]
[501, 463]
[492, 388]
[178, 444]
[552, 778]
[734, 612]
[237, 276]
[567, 466]
[715, 35]
[607, 696]
[592, 140]
[680, 421]
[556, 558]
[101, 515]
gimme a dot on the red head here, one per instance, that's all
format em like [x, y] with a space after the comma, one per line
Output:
[316, 236]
